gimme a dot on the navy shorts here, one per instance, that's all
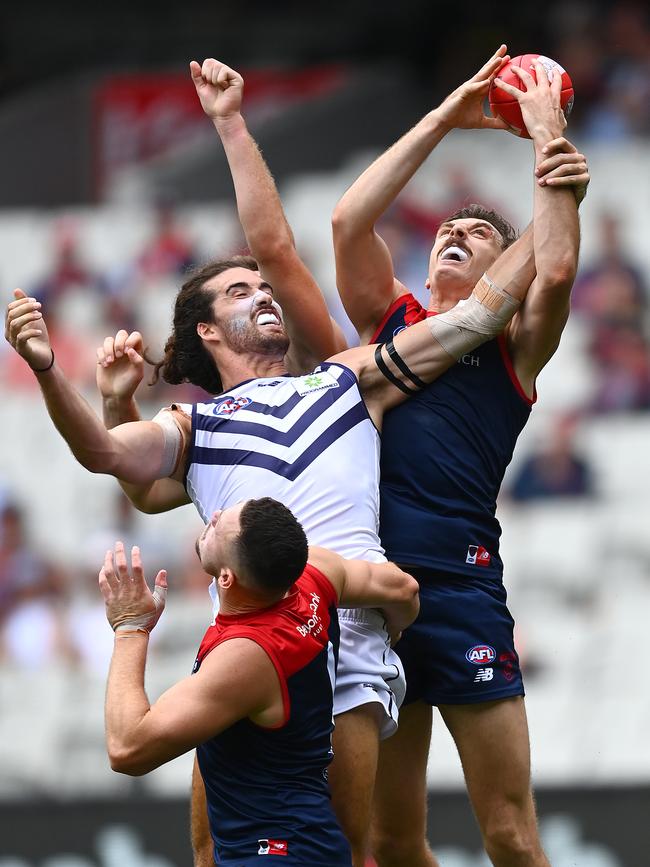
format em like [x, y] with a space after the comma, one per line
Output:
[460, 650]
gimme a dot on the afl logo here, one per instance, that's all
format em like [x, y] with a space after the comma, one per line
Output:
[480, 654]
[230, 405]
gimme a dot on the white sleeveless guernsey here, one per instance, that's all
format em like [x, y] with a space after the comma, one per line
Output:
[308, 442]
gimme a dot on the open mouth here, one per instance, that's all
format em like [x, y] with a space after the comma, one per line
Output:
[454, 253]
[267, 318]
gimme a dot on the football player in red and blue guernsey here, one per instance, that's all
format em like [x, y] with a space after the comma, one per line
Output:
[258, 706]
[443, 457]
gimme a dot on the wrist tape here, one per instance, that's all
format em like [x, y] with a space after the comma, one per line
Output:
[482, 316]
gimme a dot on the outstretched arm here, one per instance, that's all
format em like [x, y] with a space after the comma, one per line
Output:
[361, 584]
[120, 367]
[314, 335]
[364, 268]
[236, 679]
[534, 333]
[135, 452]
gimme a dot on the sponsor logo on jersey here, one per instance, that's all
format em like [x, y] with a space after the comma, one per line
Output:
[230, 405]
[483, 675]
[480, 654]
[314, 625]
[269, 384]
[470, 360]
[399, 328]
[317, 381]
[477, 555]
[273, 847]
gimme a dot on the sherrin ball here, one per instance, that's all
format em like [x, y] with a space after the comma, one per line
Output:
[505, 106]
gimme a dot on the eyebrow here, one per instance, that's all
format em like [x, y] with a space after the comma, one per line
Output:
[482, 224]
[242, 284]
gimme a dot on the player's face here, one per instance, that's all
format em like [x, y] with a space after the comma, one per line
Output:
[462, 251]
[214, 545]
[247, 314]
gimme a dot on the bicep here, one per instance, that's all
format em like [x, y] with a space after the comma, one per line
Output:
[365, 279]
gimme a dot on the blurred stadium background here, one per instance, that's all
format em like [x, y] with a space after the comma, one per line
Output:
[112, 182]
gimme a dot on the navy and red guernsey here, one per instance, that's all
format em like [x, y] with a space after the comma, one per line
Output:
[266, 788]
[443, 456]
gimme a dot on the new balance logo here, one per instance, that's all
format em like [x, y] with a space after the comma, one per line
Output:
[483, 675]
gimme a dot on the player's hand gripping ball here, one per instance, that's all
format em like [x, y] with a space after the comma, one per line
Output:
[506, 107]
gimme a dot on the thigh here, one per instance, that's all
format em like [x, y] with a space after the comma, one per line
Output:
[494, 748]
[460, 650]
[400, 801]
[353, 770]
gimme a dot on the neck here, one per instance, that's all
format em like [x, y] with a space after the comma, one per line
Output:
[445, 296]
[237, 601]
[238, 367]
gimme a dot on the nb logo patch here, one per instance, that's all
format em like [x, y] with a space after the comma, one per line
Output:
[483, 675]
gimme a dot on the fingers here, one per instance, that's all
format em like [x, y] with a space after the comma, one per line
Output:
[136, 565]
[114, 348]
[108, 572]
[20, 314]
[509, 88]
[160, 590]
[559, 145]
[493, 64]
[121, 566]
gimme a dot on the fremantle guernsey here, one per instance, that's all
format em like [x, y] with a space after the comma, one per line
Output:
[443, 456]
[266, 788]
[306, 441]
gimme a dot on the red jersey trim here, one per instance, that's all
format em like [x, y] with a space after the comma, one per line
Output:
[323, 583]
[507, 361]
[384, 319]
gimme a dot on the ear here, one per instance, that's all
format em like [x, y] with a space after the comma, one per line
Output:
[207, 331]
[226, 578]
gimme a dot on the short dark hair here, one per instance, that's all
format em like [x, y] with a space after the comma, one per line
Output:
[186, 358]
[271, 549]
[478, 212]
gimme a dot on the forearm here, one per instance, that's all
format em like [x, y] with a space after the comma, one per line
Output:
[557, 232]
[126, 701]
[258, 203]
[202, 846]
[76, 421]
[515, 268]
[116, 411]
[376, 189]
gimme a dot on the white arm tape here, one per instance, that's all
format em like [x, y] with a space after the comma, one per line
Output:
[482, 316]
[172, 442]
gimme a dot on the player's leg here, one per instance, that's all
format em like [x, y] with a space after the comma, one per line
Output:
[398, 827]
[369, 688]
[352, 774]
[493, 744]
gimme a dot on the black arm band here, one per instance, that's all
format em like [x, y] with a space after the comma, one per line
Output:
[399, 362]
[381, 364]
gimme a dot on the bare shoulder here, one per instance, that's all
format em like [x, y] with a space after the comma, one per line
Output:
[330, 564]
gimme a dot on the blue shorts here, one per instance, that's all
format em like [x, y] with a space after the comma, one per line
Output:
[460, 650]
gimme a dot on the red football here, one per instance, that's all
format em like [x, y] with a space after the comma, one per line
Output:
[506, 107]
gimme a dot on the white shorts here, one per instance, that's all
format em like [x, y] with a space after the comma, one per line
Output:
[368, 670]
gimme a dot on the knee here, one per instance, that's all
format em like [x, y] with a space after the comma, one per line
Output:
[396, 851]
[510, 839]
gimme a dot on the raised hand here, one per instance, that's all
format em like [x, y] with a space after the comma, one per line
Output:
[219, 88]
[540, 101]
[463, 108]
[26, 331]
[130, 604]
[120, 365]
[563, 166]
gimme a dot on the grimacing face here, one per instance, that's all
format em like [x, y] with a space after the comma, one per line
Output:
[214, 546]
[462, 251]
[246, 312]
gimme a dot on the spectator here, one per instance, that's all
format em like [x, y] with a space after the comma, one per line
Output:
[556, 470]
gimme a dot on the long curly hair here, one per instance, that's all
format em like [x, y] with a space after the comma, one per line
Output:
[185, 357]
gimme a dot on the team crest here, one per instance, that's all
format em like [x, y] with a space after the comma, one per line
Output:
[230, 405]
[317, 381]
